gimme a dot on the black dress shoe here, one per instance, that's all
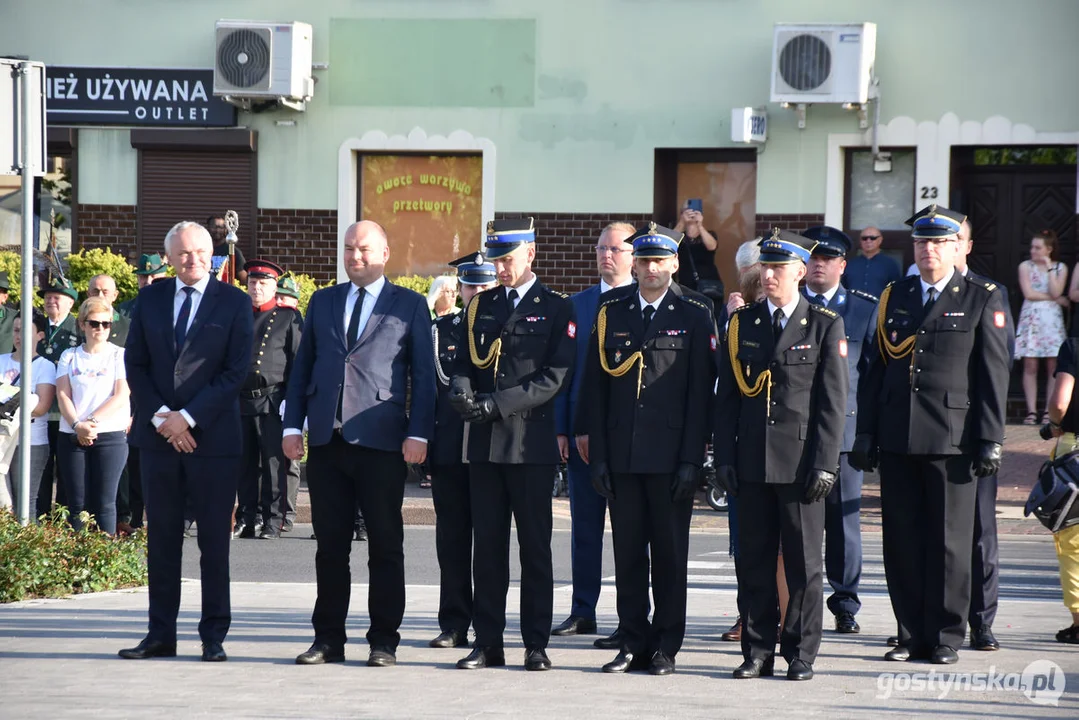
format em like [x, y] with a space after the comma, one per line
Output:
[611, 642]
[269, 532]
[320, 653]
[944, 655]
[482, 657]
[361, 533]
[893, 641]
[846, 624]
[662, 664]
[755, 668]
[626, 661]
[983, 639]
[900, 653]
[382, 656]
[799, 670]
[149, 649]
[448, 639]
[243, 530]
[575, 625]
[213, 652]
[536, 659]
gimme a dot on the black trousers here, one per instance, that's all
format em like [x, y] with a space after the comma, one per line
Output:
[927, 511]
[524, 491]
[206, 485]
[985, 560]
[646, 522]
[843, 540]
[453, 544]
[769, 513]
[340, 475]
[263, 490]
[129, 503]
[52, 470]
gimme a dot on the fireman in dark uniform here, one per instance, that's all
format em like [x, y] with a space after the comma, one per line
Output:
[842, 507]
[262, 492]
[449, 472]
[651, 372]
[780, 410]
[520, 350]
[288, 296]
[932, 410]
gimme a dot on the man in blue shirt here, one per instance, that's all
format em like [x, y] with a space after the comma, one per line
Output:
[871, 270]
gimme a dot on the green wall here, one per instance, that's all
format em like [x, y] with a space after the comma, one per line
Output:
[612, 80]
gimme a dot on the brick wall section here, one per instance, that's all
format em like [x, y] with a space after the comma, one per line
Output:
[108, 226]
[794, 223]
[301, 241]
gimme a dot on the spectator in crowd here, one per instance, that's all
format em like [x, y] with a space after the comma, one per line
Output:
[1040, 330]
[871, 271]
[442, 297]
[1064, 426]
[104, 287]
[43, 380]
[63, 333]
[697, 256]
[149, 269]
[219, 231]
[288, 296]
[7, 314]
[288, 292]
[91, 386]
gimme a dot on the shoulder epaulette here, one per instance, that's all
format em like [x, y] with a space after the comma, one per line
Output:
[824, 310]
[555, 292]
[748, 306]
[695, 301]
[614, 299]
[864, 295]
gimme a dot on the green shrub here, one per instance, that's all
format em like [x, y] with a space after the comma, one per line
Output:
[53, 560]
[85, 264]
[419, 283]
[307, 286]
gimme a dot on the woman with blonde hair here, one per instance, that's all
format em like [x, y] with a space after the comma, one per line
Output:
[92, 391]
[442, 297]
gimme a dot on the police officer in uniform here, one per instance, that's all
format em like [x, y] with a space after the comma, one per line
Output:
[932, 411]
[651, 373]
[842, 507]
[521, 347]
[449, 473]
[60, 298]
[262, 492]
[288, 296]
[780, 411]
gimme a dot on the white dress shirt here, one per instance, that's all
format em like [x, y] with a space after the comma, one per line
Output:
[370, 297]
[177, 303]
[939, 286]
[522, 290]
[788, 310]
[653, 305]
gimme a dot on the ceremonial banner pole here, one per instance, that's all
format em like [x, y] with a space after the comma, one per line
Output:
[232, 223]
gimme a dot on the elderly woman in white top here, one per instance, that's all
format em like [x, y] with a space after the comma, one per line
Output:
[91, 386]
[442, 297]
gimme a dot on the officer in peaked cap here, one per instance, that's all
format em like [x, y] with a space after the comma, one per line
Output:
[842, 507]
[521, 342]
[7, 315]
[263, 491]
[449, 472]
[932, 413]
[651, 359]
[780, 411]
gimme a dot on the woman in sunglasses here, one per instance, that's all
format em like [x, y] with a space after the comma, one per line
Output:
[91, 388]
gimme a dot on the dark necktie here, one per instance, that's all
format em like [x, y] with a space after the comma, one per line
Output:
[777, 322]
[932, 298]
[354, 320]
[649, 311]
[181, 320]
[818, 299]
[512, 297]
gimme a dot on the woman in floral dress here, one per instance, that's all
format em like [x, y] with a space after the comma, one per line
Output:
[1041, 321]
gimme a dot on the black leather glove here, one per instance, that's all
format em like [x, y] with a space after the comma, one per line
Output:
[819, 484]
[461, 399]
[686, 482]
[601, 479]
[727, 478]
[864, 455]
[987, 459]
[483, 410]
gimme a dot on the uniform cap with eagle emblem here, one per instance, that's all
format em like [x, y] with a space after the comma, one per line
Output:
[831, 242]
[935, 222]
[655, 241]
[786, 247]
[505, 236]
[474, 269]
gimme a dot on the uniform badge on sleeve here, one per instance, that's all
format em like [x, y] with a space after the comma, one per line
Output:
[571, 329]
[842, 348]
[998, 319]
[712, 342]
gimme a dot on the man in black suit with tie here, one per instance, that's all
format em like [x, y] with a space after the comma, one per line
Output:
[366, 348]
[186, 355]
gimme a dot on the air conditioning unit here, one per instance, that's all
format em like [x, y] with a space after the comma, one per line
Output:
[823, 63]
[263, 61]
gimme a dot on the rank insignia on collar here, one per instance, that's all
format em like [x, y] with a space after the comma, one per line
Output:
[842, 299]
[536, 299]
[804, 321]
[757, 321]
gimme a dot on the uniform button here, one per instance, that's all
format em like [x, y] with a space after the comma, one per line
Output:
[803, 357]
[775, 364]
[261, 352]
[641, 405]
[915, 389]
[771, 422]
[177, 372]
[920, 351]
[643, 386]
[921, 332]
[918, 370]
[774, 403]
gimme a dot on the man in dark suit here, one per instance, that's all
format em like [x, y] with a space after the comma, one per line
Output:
[779, 429]
[186, 356]
[932, 406]
[651, 373]
[449, 471]
[521, 349]
[842, 507]
[366, 348]
[588, 509]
